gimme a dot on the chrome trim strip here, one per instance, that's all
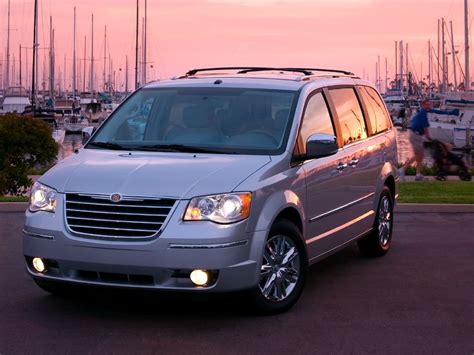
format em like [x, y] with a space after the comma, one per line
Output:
[37, 235]
[118, 213]
[207, 246]
[342, 226]
[342, 207]
[116, 204]
[114, 220]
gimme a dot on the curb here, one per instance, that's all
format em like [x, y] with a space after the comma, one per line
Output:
[399, 207]
[433, 208]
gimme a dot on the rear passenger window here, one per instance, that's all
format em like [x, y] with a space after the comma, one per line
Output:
[378, 117]
[316, 118]
[350, 114]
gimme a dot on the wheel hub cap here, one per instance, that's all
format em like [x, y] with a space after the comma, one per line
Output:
[280, 269]
[385, 220]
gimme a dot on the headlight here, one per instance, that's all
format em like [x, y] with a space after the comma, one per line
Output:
[42, 198]
[225, 208]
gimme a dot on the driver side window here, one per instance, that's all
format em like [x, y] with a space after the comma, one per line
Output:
[316, 118]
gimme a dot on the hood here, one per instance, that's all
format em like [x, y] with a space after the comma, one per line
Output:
[151, 174]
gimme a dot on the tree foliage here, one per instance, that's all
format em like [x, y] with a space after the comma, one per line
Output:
[25, 142]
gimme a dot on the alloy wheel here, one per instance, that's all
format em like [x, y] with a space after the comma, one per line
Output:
[385, 220]
[280, 269]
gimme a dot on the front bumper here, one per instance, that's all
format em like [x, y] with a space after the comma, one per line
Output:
[229, 252]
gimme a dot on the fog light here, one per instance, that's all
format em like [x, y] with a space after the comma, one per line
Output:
[38, 264]
[199, 277]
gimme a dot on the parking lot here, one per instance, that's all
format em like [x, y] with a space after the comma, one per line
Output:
[417, 299]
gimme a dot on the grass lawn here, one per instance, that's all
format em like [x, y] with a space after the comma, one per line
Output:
[14, 199]
[436, 192]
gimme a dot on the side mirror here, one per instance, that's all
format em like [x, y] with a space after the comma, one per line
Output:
[321, 145]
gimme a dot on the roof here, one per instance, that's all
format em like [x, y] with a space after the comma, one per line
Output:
[256, 77]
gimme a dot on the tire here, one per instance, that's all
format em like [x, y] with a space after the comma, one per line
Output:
[378, 242]
[283, 269]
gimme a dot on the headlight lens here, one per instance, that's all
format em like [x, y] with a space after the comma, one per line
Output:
[225, 208]
[42, 198]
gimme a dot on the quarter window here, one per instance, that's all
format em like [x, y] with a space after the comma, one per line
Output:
[316, 118]
[350, 114]
[378, 117]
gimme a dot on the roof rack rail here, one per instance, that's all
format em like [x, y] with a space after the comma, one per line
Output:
[345, 72]
[244, 70]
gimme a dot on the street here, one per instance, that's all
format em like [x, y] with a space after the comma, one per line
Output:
[416, 299]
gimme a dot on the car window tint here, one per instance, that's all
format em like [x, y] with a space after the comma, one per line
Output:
[316, 118]
[377, 114]
[350, 114]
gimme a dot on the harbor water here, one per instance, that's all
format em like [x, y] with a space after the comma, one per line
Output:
[74, 141]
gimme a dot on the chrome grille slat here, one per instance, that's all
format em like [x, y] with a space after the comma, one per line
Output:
[112, 220]
[120, 213]
[132, 218]
[115, 204]
[112, 229]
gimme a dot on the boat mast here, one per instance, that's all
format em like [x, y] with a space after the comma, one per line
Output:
[443, 53]
[91, 86]
[74, 58]
[21, 83]
[126, 74]
[438, 57]
[396, 65]
[429, 66]
[144, 73]
[467, 79]
[7, 70]
[85, 65]
[401, 66]
[105, 59]
[51, 59]
[136, 48]
[453, 52]
[35, 44]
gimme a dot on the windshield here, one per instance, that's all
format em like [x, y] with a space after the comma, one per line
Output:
[214, 120]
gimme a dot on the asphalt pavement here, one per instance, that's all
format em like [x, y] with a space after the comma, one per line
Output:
[415, 300]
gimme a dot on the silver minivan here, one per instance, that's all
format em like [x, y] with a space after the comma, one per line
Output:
[223, 179]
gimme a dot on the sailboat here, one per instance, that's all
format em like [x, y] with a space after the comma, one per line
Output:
[453, 129]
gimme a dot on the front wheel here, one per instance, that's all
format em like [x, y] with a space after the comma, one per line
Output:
[283, 269]
[378, 242]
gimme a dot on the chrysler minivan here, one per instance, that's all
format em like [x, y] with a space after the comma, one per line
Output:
[222, 179]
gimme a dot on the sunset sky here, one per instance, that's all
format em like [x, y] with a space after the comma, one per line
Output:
[184, 34]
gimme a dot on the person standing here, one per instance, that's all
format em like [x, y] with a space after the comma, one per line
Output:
[418, 128]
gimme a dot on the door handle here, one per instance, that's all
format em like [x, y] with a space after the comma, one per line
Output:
[341, 166]
[353, 162]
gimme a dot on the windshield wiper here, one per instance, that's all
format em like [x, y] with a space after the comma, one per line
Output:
[179, 148]
[108, 145]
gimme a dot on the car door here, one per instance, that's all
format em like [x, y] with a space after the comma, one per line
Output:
[362, 156]
[325, 190]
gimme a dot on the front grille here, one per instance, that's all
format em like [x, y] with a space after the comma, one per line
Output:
[131, 218]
